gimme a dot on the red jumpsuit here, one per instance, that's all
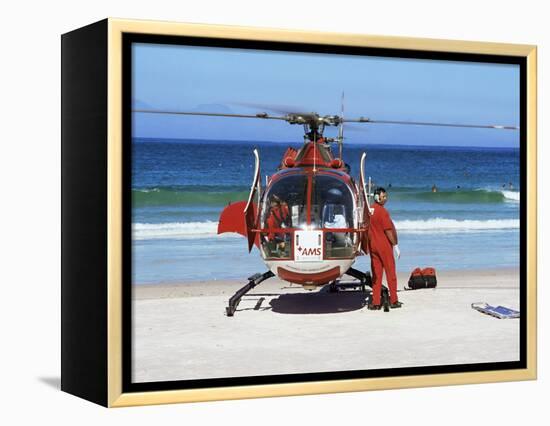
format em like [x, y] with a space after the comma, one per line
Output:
[276, 218]
[381, 253]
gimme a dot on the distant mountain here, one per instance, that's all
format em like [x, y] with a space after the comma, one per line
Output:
[214, 108]
[137, 104]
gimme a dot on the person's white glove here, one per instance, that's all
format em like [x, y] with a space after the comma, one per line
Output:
[396, 251]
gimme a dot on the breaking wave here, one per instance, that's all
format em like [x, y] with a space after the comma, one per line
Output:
[458, 196]
[187, 196]
[453, 225]
[209, 229]
[220, 196]
[175, 230]
[511, 195]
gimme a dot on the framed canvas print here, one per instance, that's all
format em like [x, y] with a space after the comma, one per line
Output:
[254, 212]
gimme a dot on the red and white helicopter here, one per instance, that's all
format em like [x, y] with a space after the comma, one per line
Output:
[311, 219]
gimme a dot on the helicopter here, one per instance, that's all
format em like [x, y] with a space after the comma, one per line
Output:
[323, 212]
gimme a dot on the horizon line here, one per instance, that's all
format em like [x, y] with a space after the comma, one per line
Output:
[350, 143]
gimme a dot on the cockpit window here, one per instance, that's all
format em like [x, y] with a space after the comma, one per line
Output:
[288, 194]
[332, 203]
[284, 206]
[332, 207]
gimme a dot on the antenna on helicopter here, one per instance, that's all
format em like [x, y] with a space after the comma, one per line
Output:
[369, 188]
[314, 146]
[341, 130]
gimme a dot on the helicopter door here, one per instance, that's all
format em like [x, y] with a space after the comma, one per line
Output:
[367, 212]
[363, 184]
[251, 209]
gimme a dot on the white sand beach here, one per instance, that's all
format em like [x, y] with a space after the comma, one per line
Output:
[181, 332]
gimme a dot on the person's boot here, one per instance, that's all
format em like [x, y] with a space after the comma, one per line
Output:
[396, 305]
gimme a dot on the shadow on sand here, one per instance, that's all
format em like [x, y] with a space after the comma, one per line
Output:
[321, 302]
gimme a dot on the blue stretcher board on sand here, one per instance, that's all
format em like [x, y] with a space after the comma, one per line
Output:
[500, 312]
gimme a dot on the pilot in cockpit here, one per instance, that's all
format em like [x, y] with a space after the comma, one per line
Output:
[278, 218]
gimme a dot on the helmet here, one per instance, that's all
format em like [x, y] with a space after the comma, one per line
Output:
[334, 194]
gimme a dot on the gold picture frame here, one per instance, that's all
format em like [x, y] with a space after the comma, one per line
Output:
[101, 368]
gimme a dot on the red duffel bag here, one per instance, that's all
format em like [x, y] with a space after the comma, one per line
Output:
[429, 277]
[416, 280]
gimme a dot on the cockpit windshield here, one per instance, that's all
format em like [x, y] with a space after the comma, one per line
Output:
[286, 208]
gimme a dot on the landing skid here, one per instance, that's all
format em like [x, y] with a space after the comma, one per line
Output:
[363, 277]
[364, 280]
[253, 281]
[338, 285]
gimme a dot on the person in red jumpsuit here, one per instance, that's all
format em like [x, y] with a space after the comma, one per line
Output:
[277, 219]
[382, 244]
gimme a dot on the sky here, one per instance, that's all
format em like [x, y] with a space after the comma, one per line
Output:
[187, 78]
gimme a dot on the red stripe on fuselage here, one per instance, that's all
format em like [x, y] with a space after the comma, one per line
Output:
[309, 190]
[319, 278]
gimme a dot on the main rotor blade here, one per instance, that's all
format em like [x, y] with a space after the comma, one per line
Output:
[297, 118]
[280, 109]
[262, 115]
[425, 123]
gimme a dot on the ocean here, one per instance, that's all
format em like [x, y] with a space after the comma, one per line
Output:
[179, 188]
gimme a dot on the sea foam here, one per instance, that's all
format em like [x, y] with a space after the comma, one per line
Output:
[150, 231]
[511, 195]
[209, 229]
[453, 225]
